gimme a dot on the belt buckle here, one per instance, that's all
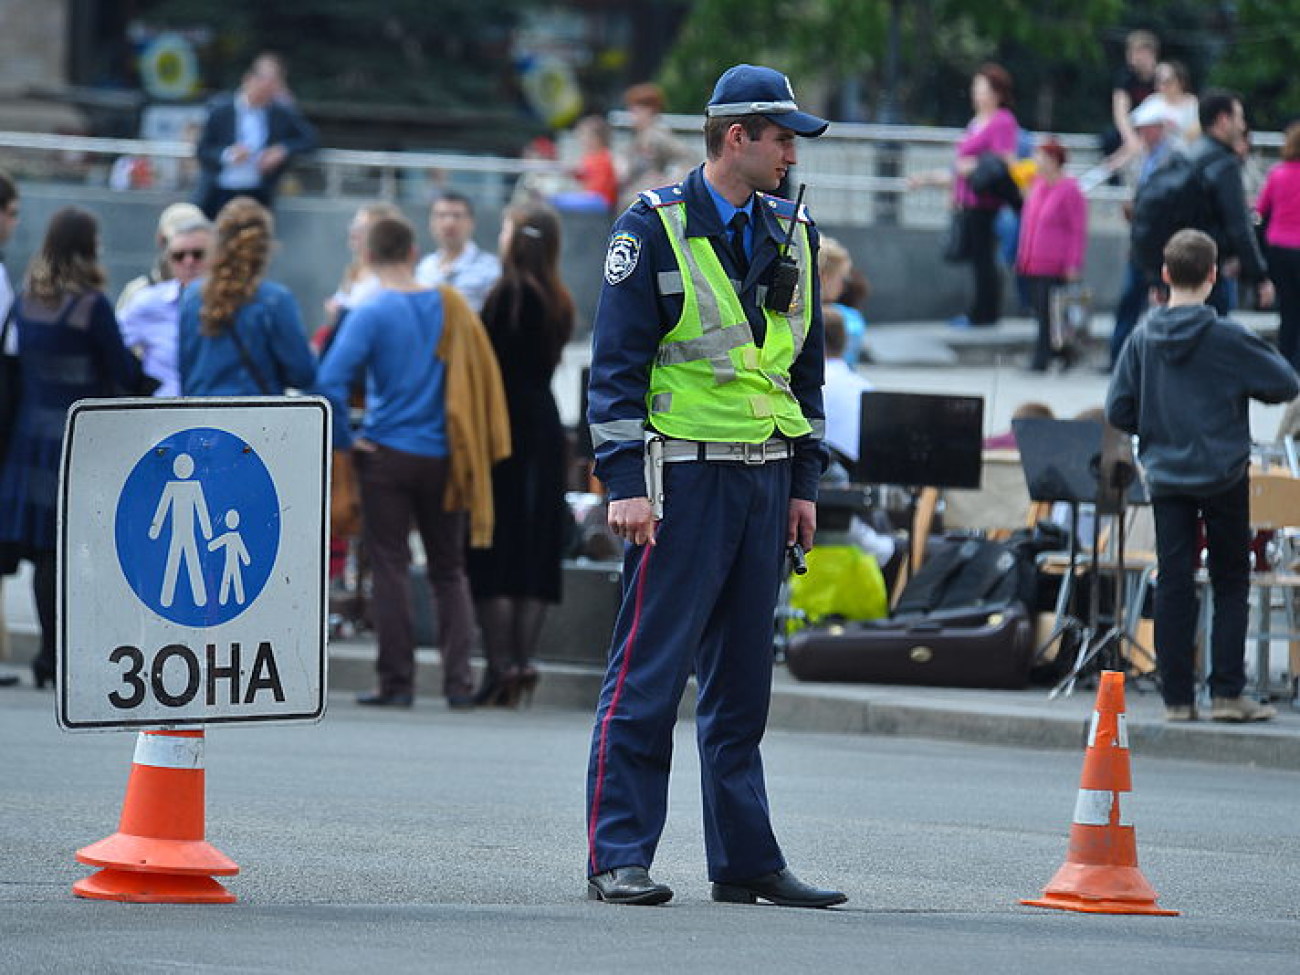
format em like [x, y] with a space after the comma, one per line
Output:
[753, 454]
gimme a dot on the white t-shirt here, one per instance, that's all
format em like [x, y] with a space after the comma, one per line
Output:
[842, 401]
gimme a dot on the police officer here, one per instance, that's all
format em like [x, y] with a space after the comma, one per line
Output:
[707, 360]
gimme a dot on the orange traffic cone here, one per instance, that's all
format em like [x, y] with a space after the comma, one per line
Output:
[158, 854]
[1100, 874]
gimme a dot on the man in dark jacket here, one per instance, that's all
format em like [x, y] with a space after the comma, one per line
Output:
[1183, 384]
[1223, 124]
[250, 138]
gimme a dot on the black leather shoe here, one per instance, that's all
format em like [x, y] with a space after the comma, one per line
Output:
[627, 885]
[380, 699]
[8, 680]
[781, 888]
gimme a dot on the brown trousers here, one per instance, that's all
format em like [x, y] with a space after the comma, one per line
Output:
[398, 488]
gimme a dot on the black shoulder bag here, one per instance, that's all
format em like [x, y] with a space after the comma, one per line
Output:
[247, 360]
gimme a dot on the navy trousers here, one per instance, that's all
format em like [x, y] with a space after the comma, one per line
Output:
[701, 599]
[1227, 541]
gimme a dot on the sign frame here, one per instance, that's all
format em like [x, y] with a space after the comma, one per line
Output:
[207, 412]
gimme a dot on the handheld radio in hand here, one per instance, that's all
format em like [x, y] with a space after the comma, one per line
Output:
[785, 272]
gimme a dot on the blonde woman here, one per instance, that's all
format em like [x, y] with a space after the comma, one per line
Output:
[241, 335]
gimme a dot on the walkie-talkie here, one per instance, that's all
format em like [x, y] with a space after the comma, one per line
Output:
[785, 272]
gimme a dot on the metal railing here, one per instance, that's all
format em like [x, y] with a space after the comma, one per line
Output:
[855, 171]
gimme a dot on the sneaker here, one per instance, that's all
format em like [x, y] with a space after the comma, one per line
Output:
[1180, 712]
[1240, 709]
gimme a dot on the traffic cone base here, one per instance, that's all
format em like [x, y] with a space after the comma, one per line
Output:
[139, 887]
[159, 853]
[1100, 874]
[144, 854]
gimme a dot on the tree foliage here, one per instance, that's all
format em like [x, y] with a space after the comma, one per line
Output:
[823, 43]
[451, 53]
[1260, 61]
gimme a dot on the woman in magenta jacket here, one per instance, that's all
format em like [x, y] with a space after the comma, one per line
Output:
[1279, 207]
[1053, 239]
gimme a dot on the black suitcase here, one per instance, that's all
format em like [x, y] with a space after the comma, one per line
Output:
[953, 648]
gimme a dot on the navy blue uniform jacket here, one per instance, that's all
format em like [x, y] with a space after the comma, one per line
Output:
[285, 126]
[632, 317]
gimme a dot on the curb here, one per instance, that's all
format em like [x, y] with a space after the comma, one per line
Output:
[1028, 720]
[1017, 719]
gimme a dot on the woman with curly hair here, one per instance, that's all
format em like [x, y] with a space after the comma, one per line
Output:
[529, 318]
[69, 348]
[241, 335]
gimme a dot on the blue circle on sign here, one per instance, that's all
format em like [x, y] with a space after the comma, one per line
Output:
[198, 527]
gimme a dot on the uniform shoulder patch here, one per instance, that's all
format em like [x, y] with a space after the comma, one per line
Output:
[662, 197]
[620, 260]
[784, 208]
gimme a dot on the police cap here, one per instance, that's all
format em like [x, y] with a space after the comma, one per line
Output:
[749, 89]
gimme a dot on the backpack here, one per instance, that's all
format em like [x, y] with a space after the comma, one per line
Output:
[1173, 197]
[976, 573]
[970, 573]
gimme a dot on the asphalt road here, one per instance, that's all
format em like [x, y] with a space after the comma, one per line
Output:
[432, 841]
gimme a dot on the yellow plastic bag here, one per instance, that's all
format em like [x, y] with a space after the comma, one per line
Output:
[842, 581]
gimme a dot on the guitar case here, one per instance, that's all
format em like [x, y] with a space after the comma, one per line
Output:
[985, 647]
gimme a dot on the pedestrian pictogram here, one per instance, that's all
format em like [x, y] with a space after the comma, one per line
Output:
[180, 493]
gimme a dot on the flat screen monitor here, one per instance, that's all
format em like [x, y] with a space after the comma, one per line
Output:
[921, 439]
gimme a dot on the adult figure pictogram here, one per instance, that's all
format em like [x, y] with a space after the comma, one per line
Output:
[182, 501]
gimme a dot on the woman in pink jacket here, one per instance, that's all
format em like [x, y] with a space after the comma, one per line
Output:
[1053, 238]
[1279, 208]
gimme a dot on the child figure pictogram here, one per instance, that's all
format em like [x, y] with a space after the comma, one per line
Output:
[236, 554]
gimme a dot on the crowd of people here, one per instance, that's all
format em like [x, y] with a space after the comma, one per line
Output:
[1011, 188]
[472, 419]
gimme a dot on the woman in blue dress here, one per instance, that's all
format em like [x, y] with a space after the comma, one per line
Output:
[69, 347]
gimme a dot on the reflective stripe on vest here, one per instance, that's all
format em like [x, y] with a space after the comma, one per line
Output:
[710, 381]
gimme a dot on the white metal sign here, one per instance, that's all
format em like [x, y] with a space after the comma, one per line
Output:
[192, 562]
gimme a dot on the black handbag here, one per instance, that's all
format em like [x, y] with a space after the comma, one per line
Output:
[956, 242]
[992, 177]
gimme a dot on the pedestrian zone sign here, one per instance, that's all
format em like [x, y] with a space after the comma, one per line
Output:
[192, 557]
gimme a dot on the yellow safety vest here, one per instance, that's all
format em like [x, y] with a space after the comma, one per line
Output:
[710, 381]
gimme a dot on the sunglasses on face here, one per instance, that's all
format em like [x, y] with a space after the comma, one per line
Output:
[195, 254]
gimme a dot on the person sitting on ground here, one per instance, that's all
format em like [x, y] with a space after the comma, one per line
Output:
[834, 272]
[1030, 410]
[1183, 384]
[842, 392]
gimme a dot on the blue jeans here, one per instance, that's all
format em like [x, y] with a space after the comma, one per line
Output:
[1227, 539]
[1132, 303]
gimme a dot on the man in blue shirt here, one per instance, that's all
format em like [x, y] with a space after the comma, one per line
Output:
[402, 456]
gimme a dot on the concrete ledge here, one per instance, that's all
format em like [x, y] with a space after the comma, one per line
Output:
[1021, 719]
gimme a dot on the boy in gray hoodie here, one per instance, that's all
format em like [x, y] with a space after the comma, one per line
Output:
[1183, 384]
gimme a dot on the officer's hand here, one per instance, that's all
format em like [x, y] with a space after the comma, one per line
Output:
[802, 523]
[633, 520]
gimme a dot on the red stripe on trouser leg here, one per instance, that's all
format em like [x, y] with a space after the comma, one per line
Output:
[628, 644]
